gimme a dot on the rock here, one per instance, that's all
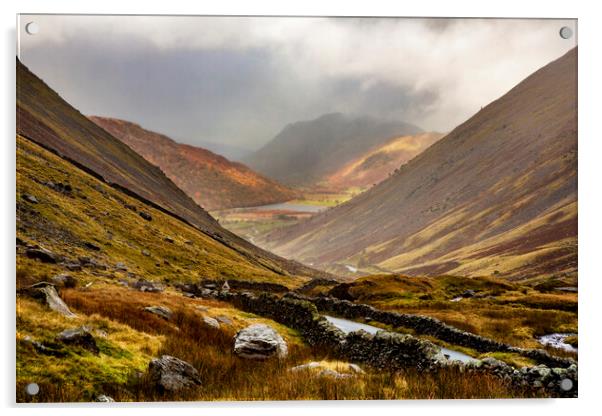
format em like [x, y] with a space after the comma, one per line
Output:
[224, 319]
[259, 341]
[334, 374]
[42, 254]
[43, 349]
[226, 286]
[30, 198]
[145, 253]
[88, 261]
[104, 399]
[202, 308]
[162, 311]
[91, 246]
[188, 242]
[172, 374]
[80, 337]
[74, 267]
[212, 322]
[64, 280]
[468, 293]
[307, 366]
[121, 266]
[168, 239]
[145, 215]
[146, 286]
[355, 368]
[46, 293]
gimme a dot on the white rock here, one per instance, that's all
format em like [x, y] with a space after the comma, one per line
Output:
[259, 342]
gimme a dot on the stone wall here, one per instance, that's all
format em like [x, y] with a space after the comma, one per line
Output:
[394, 351]
[424, 325]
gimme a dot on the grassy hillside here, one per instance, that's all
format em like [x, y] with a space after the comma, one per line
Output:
[380, 162]
[497, 195]
[44, 117]
[211, 180]
[164, 249]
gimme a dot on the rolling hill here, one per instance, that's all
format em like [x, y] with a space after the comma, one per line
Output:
[497, 195]
[211, 180]
[377, 164]
[46, 119]
[306, 152]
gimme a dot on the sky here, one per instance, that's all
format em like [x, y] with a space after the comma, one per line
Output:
[239, 80]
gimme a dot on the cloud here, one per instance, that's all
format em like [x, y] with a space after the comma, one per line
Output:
[239, 80]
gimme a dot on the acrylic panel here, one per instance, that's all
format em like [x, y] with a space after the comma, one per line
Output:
[295, 208]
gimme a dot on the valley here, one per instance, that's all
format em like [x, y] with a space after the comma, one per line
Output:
[351, 257]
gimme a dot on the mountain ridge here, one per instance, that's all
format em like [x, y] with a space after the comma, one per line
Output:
[211, 180]
[305, 152]
[487, 189]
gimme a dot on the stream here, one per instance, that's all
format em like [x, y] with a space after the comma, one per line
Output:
[556, 340]
[348, 326]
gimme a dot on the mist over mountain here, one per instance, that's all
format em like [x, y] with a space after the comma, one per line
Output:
[305, 152]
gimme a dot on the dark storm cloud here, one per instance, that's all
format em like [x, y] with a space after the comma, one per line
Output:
[240, 80]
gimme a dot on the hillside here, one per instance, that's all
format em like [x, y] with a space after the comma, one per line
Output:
[497, 195]
[305, 152]
[376, 165]
[45, 118]
[211, 180]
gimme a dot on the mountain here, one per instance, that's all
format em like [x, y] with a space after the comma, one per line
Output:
[46, 119]
[497, 195]
[305, 152]
[211, 180]
[377, 164]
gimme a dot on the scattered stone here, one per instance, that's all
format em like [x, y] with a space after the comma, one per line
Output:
[42, 254]
[259, 341]
[104, 399]
[468, 293]
[80, 337]
[334, 374]
[91, 246]
[88, 261]
[30, 198]
[162, 311]
[355, 368]
[146, 215]
[43, 349]
[64, 280]
[172, 374]
[188, 242]
[168, 239]
[307, 366]
[46, 293]
[211, 322]
[146, 286]
[145, 253]
[132, 208]
[74, 267]
[226, 286]
[121, 266]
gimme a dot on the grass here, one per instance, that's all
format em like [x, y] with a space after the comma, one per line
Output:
[134, 336]
[507, 312]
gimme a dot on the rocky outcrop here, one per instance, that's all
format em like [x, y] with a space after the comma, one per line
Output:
[80, 337]
[146, 286]
[259, 342]
[170, 374]
[47, 294]
[44, 255]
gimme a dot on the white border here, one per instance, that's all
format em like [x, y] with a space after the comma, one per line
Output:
[590, 212]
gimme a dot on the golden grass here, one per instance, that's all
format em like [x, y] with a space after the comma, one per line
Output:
[225, 376]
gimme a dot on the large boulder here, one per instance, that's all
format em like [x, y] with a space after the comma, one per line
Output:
[259, 342]
[47, 294]
[172, 374]
[80, 337]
